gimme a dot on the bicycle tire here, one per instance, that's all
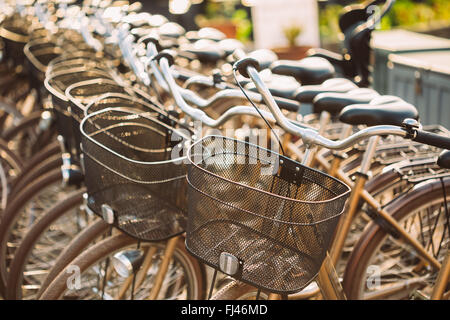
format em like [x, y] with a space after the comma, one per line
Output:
[374, 235]
[73, 249]
[48, 151]
[107, 246]
[28, 177]
[27, 122]
[17, 266]
[11, 212]
[12, 158]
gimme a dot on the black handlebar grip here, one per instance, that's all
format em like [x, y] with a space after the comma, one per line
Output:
[432, 139]
[151, 39]
[168, 54]
[244, 63]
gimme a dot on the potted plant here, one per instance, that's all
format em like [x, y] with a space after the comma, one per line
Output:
[293, 51]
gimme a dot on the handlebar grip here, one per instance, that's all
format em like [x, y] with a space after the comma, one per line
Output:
[432, 139]
[151, 39]
[243, 64]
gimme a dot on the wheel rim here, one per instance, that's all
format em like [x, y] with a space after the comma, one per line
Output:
[394, 268]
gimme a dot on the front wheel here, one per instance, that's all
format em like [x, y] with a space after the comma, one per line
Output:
[185, 278]
[382, 266]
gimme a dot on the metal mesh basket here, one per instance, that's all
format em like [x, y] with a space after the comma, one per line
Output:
[14, 31]
[93, 95]
[130, 174]
[76, 59]
[258, 216]
[56, 84]
[80, 95]
[39, 55]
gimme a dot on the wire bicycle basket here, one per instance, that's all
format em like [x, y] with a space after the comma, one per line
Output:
[56, 84]
[132, 179]
[259, 216]
[89, 96]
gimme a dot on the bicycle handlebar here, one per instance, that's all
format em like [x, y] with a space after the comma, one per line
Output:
[200, 115]
[225, 94]
[432, 139]
[313, 138]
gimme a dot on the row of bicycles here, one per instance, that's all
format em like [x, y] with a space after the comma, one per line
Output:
[143, 161]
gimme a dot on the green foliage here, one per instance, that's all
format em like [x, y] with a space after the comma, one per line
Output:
[328, 23]
[225, 12]
[291, 33]
[243, 25]
[404, 13]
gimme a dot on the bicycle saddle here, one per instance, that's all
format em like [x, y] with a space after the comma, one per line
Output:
[230, 45]
[308, 93]
[308, 71]
[157, 20]
[205, 33]
[334, 102]
[171, 30]
[204, 50]
[443, 160]
[265, 57]
[384, 110]
[137, 19]
[278, 85]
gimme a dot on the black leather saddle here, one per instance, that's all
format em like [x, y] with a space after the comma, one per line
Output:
[265, 57]
[384, 110]
[230, 45]
[171, 30]
[308, 71]
[334, 102]
[307, 94]
[204, 50]
[205, 33]
[157, 20]
[444, 159]
[278, 85]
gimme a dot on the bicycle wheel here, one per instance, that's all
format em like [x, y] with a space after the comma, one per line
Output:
[185, 278]
[382, 266]
[84, 239]
[25, 139]
[33, 173]
[23, 212]
[43, 243]
[10, 167]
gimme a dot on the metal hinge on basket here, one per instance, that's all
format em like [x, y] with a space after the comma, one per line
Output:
[229, 264]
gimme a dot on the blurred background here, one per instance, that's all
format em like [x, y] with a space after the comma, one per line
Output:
[280, 24]
[410, 48]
